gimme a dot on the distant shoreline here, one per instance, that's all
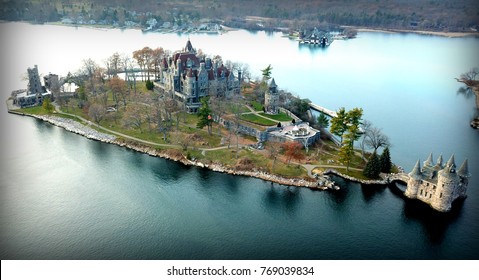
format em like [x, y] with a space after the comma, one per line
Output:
[226, 29]
[420, 32]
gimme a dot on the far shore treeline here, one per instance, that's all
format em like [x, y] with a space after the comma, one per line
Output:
[435, 15]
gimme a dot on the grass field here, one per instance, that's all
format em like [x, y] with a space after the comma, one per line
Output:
[257, 120]
[282, 117]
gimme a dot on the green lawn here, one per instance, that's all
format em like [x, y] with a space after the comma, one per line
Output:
[282, 117]
[37, 110]
[257, 106]
[257, 120]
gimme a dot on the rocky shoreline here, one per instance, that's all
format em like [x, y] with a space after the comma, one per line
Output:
[170, 154]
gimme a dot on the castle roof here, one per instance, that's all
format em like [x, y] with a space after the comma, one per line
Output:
[222, 69]
[272, 84]
[416, 171]
[439, 163]
[211, 74]
[449, 170]
[183, 57]
[429, 161]
[464, 170]
[450, 163]
[189, 46]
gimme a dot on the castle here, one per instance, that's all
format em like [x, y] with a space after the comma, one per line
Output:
[190, 77]
[271, 98]
[438, 185]
[35, 93]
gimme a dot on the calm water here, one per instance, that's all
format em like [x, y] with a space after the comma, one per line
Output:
[65, 197]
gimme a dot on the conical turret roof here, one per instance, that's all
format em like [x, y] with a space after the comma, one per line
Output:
[189, 46]
[439, 162]
[450, 163]
[272, 84]
[416, 171]
[464, 170]
[429, 161]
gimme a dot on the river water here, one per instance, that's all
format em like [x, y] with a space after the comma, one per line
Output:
[65, 197]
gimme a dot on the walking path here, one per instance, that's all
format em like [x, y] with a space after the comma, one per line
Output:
[57, 107]
[257, 113]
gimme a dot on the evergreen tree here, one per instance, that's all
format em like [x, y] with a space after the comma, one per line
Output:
[385, 161]
[266, 72]
[339, 123]
[149, 85]
[204, 115]
[323, 121]
[373, 167]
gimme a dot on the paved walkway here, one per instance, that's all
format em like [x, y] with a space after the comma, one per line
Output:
[258, 113]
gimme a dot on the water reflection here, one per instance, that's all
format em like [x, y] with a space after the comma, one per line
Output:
[101, 150]
[434, 223]
[168, 170]
[372, 192]
[338, 197]
[282, 198]
[465, 91]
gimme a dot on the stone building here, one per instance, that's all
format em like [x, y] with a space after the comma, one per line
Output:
[35, 93]
[271, 98]
[190, 77]
[52, 83]
[438, 185]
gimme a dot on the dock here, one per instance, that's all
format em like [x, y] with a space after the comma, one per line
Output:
[323, 110]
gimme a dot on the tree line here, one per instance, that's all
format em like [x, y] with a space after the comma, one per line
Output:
[439, 15]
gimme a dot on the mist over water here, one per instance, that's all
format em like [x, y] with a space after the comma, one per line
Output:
[65, 197]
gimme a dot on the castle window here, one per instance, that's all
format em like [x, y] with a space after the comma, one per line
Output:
[430, 195]
[425, 194]
[421, 192]
[427, 184]
[440, 195]
[434, 187]
[443, 185]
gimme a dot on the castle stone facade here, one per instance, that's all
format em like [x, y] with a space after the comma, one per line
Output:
[190, 77]
[35, 93]
[438, 185]
[271, 98]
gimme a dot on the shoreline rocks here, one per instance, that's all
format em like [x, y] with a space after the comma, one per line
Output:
[172, 154]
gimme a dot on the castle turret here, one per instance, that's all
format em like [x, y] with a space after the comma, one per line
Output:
[448, 181]
[189, 47]
[415, 179]
[429, 162]
[273, 87]
[438, 165]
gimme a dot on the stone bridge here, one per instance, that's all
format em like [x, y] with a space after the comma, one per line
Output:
[402, 177]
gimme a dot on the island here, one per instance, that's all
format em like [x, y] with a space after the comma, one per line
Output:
[206, 112]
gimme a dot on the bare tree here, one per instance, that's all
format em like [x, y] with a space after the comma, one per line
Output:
[273, 148]
[470, 75]
[118, 89]
[133, 116]
[89, 70]
[218, 108]
[96, 112]
[374, 137]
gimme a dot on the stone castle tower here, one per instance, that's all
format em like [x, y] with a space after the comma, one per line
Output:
[438, 185]
[271, 98]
